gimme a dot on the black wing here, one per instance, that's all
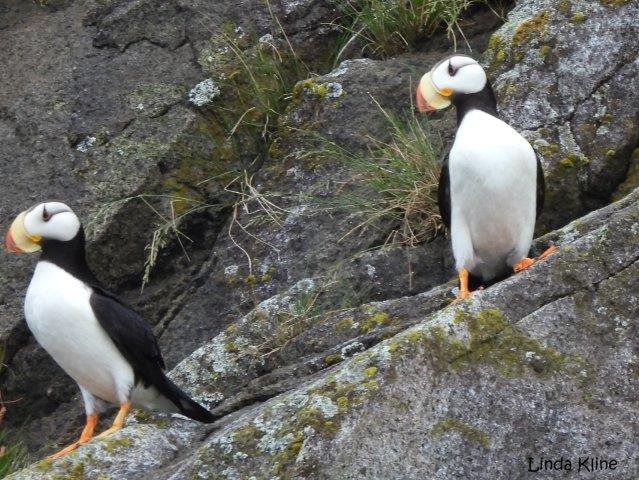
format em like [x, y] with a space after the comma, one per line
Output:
[136, 342]
[131, 334]
[443, 193]
[541, 186]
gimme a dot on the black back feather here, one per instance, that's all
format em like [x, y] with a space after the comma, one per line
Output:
[136, 342]
[130, 333]
[541, 186]
[443, 193]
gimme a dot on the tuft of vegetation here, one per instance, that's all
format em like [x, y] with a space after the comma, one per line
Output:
[256, 207]
[387, 27]
[300, 315]
[401, 176]
[260, 79]
[12, 457]
[256, 78]
[167, 224]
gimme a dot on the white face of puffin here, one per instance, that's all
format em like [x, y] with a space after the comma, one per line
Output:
[49, 221]
[458, 74]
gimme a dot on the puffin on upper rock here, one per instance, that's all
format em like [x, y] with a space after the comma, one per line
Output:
[491, 186]
[107, 348]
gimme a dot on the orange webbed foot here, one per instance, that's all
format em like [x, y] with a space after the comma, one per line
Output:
[548, 251]
[118, 423]
[523, 264]
[87, 434]
[526, 262]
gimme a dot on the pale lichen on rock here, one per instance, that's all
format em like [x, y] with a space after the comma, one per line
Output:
[204, 93]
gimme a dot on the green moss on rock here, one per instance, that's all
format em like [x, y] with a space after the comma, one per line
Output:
[333, 358]
[247, 435]
[44, 465]
[547, 149]
[74, 472]
[143, 416]
[496, 51]
[531, 29]
[344, 324]
[310, 86]
[494, 342]
[467, 432]
[112, 445]
[374, 320]
[614, 3]
[578, 17]
[342, 403]
[564, 6]
[370, 372]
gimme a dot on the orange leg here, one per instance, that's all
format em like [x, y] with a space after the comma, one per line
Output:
[526, 262]
[118, 423]
[87, 433]
[463, 285]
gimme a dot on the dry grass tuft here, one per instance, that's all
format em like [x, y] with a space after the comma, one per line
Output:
[400, 177]
[388, 27]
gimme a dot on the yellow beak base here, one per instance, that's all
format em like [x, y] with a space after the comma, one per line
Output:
[430, 95]
[18, 239]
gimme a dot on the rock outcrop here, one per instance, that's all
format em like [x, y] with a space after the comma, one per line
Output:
[117, 113]
[542, 362]
[565, 72]
[330, 356]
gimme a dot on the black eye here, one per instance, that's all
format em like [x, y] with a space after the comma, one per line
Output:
[46, 216]
[451, 70]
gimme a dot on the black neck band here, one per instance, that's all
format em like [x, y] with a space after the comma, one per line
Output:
[70, 256]
[483, 100]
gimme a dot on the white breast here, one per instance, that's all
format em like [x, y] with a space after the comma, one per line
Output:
[58, 313]
[493, 177]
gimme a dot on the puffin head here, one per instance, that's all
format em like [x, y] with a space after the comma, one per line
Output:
[455, 75]
[45, 221]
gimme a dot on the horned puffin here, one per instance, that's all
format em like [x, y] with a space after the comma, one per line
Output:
[97, 339]
[491, 186]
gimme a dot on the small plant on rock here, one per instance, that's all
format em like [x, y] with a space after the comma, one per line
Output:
[400, 180]
[388, 27]
[13, 456]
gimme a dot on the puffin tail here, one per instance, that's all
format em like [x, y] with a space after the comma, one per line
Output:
[185, 404]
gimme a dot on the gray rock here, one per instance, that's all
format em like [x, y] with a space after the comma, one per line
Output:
[295, 240]
[306, 240]
[93, 110]
[566, 72]
[538, 365]
[324, 356]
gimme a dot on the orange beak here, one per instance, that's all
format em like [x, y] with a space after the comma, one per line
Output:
[421, 104]
[10, 244]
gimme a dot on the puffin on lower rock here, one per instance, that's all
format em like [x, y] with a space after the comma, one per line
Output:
[107, 348]
[491, 186]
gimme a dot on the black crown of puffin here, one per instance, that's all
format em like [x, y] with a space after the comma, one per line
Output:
[45, 221]
[455, 75]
